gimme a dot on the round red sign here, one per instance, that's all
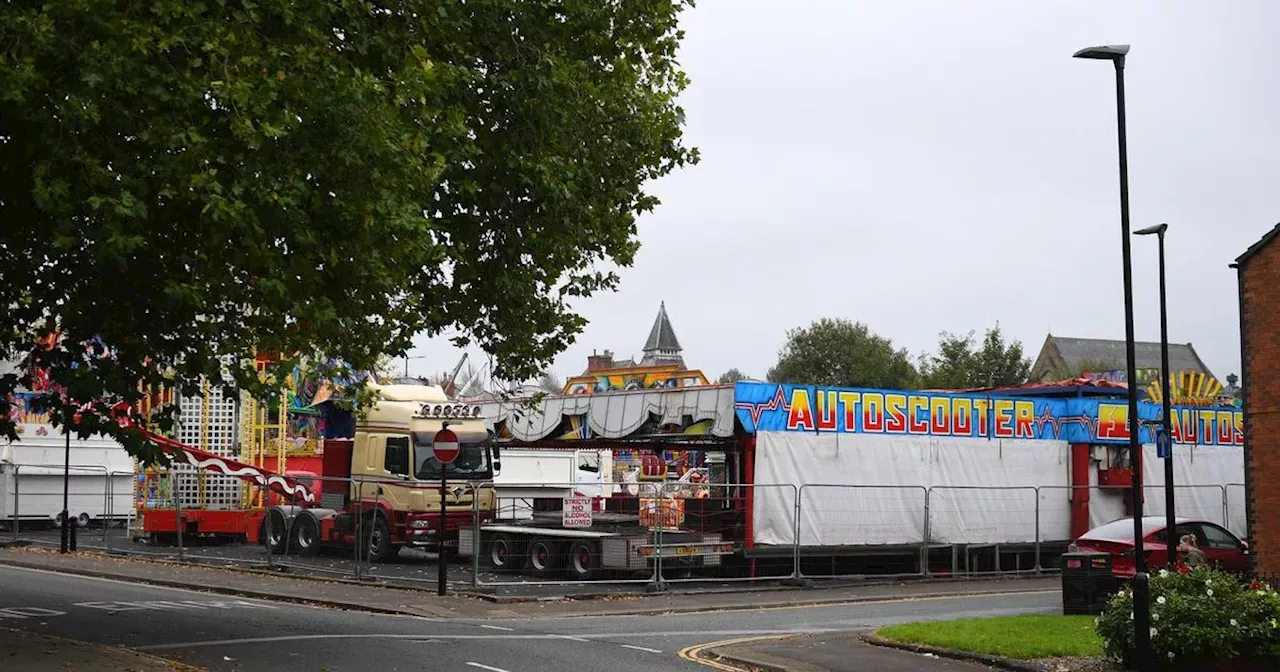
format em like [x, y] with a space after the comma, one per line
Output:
[445, 446]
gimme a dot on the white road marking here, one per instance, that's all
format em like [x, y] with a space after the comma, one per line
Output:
[426, 636]
[29, 612]
[640, 648]
[498, 627]
[486, 667]
[806, 605]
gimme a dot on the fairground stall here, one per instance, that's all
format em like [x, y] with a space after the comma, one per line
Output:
[986, 481]
[657, 471]
[99, 480]
[284, 437]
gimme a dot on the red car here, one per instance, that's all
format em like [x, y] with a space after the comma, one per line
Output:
[1223, 549]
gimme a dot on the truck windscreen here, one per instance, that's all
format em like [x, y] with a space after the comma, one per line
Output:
[472, 462]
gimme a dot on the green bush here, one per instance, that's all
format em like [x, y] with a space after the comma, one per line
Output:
[1198, 616]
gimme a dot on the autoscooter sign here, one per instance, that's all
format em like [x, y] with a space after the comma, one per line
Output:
[577, 512]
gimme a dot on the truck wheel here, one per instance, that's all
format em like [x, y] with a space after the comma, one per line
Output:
[275, 532]
[545, 557]
[379, 540]
[503, 551]
[306, 536]
[583, 560]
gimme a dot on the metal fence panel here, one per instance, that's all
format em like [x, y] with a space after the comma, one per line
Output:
[864, 527]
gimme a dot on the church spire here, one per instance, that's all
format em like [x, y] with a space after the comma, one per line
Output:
[662, 347]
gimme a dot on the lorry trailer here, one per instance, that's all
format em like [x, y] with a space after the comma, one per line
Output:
[379, 485]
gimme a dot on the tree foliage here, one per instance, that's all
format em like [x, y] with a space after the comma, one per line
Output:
[184, 183]
[841, 353]
[550, 383]
[960, 363]
[730, 376]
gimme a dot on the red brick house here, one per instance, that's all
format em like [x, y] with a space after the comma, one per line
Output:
[1258, 270]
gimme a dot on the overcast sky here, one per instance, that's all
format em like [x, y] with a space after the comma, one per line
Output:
[927, 166]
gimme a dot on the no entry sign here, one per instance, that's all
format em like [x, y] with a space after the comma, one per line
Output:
[445, 446]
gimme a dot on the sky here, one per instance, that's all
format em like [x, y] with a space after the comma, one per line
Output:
[929, 166]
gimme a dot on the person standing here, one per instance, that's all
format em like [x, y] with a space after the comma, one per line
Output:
[1192, 556]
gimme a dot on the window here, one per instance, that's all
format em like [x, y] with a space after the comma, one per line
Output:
[589, 462]
[1185, 528]
[1216, 537]
[472, 462]
[396, 459]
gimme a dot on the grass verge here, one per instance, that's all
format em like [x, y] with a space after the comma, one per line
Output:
[1024, 637]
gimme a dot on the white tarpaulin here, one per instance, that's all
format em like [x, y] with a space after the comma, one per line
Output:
[867, 489]
[1210, 468]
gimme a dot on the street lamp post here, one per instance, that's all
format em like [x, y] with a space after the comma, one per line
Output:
[1165, 443]
[1141, 605]
[406, 362]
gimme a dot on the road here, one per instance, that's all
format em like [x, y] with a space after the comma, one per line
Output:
[412, 568]
[222, 633]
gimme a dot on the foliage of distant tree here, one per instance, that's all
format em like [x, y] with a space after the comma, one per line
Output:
[184, 183]
[550, 383]
[730, 376]
[960, 363]
[841, 353]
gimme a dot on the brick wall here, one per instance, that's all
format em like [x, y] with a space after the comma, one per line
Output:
[1260, 340]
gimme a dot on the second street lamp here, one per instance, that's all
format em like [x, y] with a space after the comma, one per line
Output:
[1141, 605]
[1164, 442]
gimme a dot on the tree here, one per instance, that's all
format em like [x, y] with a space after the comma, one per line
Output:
[550, 383]
[730, 376]
[961, 364]
[185, 183]
[841, 353]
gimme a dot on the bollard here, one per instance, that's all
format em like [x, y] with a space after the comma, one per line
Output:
[475, 542]
[107, 513]
[16, 468]
[106, 503]
[358, 541]
[177, 508]
[267, 524]
[1038, 568]
[72, 526]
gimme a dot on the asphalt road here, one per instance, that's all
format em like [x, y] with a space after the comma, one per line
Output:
[222, 633]
[413, 568]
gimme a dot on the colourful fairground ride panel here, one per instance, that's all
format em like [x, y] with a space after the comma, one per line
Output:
[771, 407]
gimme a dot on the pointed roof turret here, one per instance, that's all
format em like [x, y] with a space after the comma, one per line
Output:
[662, 347]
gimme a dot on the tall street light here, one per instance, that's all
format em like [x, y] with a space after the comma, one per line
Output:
[1141, 605]
[406, 362]
[1164, 443]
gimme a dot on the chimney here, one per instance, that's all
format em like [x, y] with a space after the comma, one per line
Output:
[600, 362]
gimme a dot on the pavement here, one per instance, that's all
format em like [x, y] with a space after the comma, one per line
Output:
[412, 568]
[829, 652]
[25, 651]
[393, 600]
[219, 632]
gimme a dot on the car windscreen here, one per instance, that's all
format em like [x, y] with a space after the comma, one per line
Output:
[472, 462]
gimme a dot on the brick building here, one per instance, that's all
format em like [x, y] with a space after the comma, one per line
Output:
[1259, 280]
